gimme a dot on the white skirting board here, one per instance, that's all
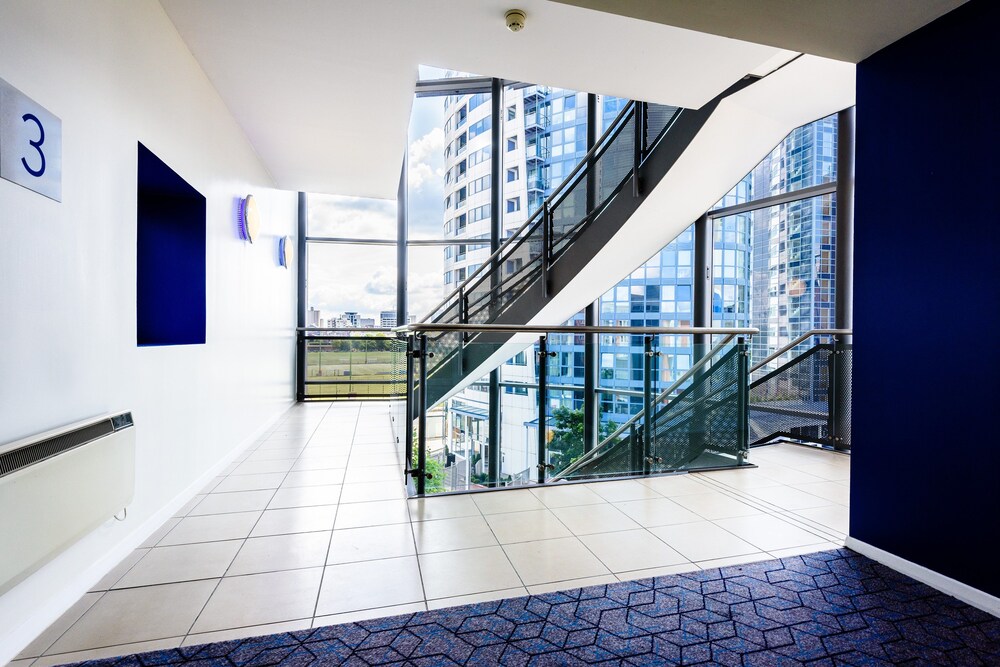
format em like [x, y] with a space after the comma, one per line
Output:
[49, 611]
[953, 587]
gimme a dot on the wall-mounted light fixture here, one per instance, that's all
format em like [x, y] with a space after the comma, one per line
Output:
[284, 251]
[249, 219]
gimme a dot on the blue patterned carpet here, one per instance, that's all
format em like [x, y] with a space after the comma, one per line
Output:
[828, 608]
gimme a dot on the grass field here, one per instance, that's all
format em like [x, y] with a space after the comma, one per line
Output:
[352, 372]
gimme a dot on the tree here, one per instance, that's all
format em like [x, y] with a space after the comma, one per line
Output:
[566, 443]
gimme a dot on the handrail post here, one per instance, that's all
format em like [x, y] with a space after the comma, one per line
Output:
[639, 118]
[409, 400]
[421, 470]
[647, 403]
[543, 358]
[546, 242]
[742, 398]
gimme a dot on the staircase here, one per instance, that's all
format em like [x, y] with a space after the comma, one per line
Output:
[540, 259]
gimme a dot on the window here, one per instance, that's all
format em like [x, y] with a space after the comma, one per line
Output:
[460, 143]
[461, 168]
[513, 204]
[460, 117]
[511, 143]
[460, 223]
[512, 174]
[511, 112]
[460, 197]
[519, 359]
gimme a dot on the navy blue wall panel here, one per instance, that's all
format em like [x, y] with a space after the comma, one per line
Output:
[170, 256]
[926, 452]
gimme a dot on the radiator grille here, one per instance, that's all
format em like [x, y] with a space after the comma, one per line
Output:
[37, 452]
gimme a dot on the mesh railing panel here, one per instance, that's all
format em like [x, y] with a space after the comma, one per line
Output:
[614, 165]
[794, 399]
[615, 460]
[705, 417]
[658, 117]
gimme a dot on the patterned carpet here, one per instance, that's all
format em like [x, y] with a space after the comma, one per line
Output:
[827, 608]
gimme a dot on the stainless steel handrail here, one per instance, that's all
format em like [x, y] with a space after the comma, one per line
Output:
[351, 329]
[800, 340]
[485, 266]
[661, 396]
[421, 327]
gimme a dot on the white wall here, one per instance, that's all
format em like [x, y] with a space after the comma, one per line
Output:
[117, 73]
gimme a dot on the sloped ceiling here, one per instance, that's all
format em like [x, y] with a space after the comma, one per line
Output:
[323, 88]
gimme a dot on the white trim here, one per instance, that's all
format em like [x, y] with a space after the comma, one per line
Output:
[49, 611]
[953, 587]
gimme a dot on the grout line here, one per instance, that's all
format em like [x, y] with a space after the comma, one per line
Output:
[252, 528]
[329, 544]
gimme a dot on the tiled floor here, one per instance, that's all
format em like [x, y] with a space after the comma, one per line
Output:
[310, 527]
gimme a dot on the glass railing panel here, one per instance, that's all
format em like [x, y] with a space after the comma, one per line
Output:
[352, 367]
[458, 442]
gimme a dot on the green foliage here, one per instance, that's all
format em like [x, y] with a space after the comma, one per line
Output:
[566, 445]
[434, 483]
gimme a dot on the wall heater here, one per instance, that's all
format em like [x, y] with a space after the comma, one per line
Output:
[58, 486]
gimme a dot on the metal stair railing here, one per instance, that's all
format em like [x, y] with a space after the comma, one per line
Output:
[807, 397]
[631, 426]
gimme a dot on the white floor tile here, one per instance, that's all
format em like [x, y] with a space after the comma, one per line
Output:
[295, 520]
[836, 517]
[768, 532]
[61, 625]
[657, 512]
[548, 561]
[441, 507]
[371, 543]
[526, 526]
[109, 651]
[675, 485]
[467, 571]
[369, 491]
[243, 633]
[281, 552]
[631, 550]
[703, 540]
[211, 528]
[305, 496]
[590, 519]
[137, 615]
[313, 478]
[498, 502]
[258, 599]
[365, 614]
[786, 497]
[268, 480]
[380, 513]
[716, 505]
[377, 583]
[449, 534]
[237, 501]
[186, 562]
[628, 489]
[567, 495]
[601, 580]
[116, 573]
[489, 596]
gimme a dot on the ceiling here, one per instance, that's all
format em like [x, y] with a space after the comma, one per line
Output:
[849, 30]
[323, 88]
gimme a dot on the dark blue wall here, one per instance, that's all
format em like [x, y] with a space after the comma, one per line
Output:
[926, 452]
[170, 256]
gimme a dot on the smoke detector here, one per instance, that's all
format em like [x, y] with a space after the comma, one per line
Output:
[515, 20]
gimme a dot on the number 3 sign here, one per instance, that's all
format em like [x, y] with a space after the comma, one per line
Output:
[30, 143]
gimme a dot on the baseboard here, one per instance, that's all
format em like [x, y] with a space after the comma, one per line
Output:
[13, 643]
[945, 584]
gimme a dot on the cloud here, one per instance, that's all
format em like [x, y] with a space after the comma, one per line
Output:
[426, 159]
[352, 217]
